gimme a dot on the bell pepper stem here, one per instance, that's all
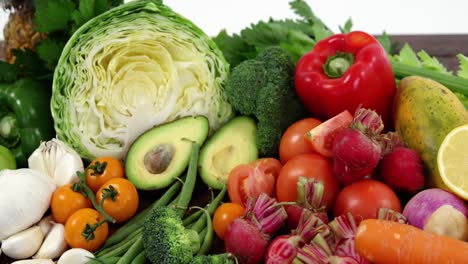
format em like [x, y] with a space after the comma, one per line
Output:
[336, 65]
[8, 129]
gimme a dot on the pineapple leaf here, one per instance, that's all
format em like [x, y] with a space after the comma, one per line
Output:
[54, 15]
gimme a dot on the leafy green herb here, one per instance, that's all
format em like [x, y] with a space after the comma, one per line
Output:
[54, 15]
[49, 51]
[347, 27]
[296, 36]
[8, 72]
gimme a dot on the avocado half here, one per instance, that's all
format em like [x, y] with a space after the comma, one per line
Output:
[162, 153]
[233, 144]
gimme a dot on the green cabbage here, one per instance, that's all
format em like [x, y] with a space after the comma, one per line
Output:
[131, 68]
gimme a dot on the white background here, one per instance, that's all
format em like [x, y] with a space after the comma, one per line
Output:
[373, 16]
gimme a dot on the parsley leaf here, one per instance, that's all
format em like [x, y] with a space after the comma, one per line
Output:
[52, 16]
[8, 72]
[30, 65]
[347, 26]
[50, 51]
[88, 9]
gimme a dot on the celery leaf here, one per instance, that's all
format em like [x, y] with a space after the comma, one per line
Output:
[431, 63]
[347, 26]
[52, 16]
[463, 66]
[407, 56]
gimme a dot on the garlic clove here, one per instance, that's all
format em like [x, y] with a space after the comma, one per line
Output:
[46, 224]
[34, 261]
[24, 244]
[54, 243]
[57, 160]
[75, 256]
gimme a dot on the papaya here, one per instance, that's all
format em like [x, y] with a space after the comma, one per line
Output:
[424, 112]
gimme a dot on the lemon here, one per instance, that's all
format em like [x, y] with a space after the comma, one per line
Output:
[452, 160]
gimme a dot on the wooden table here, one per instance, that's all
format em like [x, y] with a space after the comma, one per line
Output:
[444, 47]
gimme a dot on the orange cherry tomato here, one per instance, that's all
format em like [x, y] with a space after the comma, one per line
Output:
[77, 223]
[121, 202]
[224, 215]
[103, 169]
[65, 201]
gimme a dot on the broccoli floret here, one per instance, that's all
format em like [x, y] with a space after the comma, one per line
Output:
[225, 258]
[243, 85]
[264, 88]
[166, 240]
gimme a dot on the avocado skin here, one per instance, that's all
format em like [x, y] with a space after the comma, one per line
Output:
[178, 134]
[233, 144]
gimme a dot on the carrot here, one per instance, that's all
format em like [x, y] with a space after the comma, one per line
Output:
[383, 241]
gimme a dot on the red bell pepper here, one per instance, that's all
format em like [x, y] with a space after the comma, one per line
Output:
[344, 71]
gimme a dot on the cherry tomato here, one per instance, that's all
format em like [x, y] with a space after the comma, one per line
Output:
[224, 215]
[311, 166]
[250, 180]
[364, 198]
[77, 223]
[321, 137]
[103, 169]
[293, 141]
[65, 201]
[121, 202]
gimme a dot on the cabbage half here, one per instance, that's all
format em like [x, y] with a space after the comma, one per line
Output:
[131, 68]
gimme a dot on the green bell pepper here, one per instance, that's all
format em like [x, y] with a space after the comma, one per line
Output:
[25, 117]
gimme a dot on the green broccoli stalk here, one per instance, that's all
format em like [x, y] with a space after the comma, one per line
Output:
[264, 88]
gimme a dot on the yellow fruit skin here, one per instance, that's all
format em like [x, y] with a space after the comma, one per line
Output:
[425, 111]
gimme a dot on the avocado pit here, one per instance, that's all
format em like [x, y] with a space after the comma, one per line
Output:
[159, 158]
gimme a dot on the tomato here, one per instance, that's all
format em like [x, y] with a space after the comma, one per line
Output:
[321, 137]
[364, 198]
[103, 169]
[121, 202]
[65, 201]
[249, 180]
[78, 222]
[224, 215]
[311, 166]
[293, 141]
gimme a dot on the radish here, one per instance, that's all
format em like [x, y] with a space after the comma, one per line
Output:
[309, 198]
[401, 167]
[440, 212]
[247, 237]
[283, 249]
[357, 149]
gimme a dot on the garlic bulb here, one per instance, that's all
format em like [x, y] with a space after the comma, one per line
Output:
[56, 160]
[75, 256]
[46, 224]
[34, 261]
[54, 243]
[23, 244]
[24, 198]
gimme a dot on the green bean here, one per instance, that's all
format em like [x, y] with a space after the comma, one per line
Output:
[190, 180]
[111, 260]
[207, 235]
[117, 247]
[133, 252]
[140, 258]
[122, 248]
[210, 208]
